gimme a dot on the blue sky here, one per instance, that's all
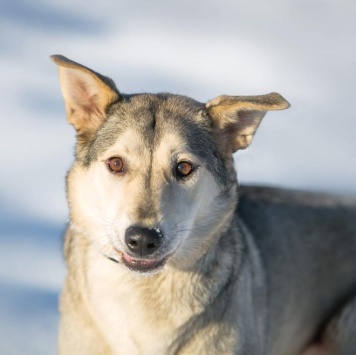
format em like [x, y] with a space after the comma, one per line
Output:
[301, 49]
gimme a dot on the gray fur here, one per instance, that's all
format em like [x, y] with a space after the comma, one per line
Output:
[307, 244]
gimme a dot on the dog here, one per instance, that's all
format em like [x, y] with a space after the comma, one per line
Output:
[166, 254]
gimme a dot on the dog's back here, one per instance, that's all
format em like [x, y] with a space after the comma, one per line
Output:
[308, 247]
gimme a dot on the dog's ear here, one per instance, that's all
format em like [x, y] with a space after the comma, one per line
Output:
[87, 95]
[236, 118]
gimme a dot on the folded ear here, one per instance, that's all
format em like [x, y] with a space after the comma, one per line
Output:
[236, 118]
[86, 93]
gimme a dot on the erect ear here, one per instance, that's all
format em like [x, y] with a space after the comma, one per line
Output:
[236, 118]
[86, 93]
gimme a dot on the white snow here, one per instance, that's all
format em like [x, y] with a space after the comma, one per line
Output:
[301, 49]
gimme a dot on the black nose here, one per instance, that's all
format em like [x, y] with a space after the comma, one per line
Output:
[143, 241]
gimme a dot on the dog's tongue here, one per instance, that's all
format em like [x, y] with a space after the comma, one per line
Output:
[142, 263]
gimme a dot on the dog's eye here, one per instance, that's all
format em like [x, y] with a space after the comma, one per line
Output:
[115, 165]
[184, 169]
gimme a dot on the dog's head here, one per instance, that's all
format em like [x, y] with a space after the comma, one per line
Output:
[153, 182]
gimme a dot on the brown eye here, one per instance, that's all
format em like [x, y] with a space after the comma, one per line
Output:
[184, 169]
[115, 165]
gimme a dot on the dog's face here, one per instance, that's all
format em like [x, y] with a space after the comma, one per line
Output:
[152, 186]
[153, 183]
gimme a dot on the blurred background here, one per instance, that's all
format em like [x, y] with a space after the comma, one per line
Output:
[303, 49]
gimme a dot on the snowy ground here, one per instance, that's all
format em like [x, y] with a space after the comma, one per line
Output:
[304, 50]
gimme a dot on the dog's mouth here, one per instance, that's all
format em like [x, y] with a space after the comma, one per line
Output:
[141, 265]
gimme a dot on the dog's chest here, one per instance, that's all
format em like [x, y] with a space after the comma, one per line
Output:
[125, 317]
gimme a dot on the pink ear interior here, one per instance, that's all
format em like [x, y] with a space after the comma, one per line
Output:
[236, 118]
[86, 94]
